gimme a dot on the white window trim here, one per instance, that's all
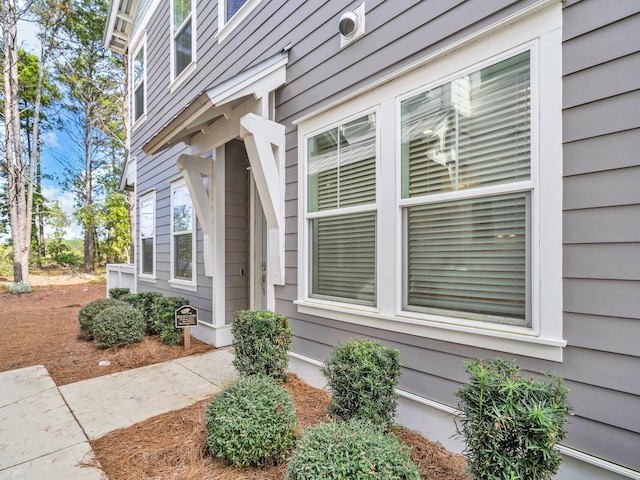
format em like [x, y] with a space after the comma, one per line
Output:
[177, 80]
[225, 28]
[191, 285]
[135, 123]
[151, 195]
[542, 34]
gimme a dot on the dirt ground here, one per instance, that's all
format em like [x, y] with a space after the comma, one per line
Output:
[41, 328]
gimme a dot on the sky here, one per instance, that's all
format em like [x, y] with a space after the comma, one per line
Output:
[57, 144]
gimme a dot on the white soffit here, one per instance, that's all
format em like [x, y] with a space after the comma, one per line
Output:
[119, 24]
[256, 81]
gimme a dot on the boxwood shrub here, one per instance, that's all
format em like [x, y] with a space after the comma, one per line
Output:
[90, 310]
[261, 342]
[118, 292]
[118, 325]
[362, 376]
[144, 302]
[355, 449]
[161, 319]
[251, 422]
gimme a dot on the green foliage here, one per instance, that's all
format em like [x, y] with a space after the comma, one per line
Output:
[511, 423]
[118, 292]
[161, 319]
[87, 314]
[18, 287]
[112, 228]
[144, 302]
[362, 376]
[118, 325]
[261, 341]
[251, 422]
[355, 449]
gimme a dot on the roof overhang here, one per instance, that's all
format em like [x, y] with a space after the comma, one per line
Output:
[117, 32]
[219, 102]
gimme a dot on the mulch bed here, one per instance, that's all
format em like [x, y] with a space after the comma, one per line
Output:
[41, 328]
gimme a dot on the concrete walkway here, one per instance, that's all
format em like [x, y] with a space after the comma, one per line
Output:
[44, 429]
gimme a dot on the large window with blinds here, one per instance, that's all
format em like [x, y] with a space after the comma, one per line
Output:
[466, 195]
[437, 211]
[341, 211]
[147, 221]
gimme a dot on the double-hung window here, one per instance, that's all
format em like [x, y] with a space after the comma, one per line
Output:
[147, 220]
[466, 195]
[437, 210]
[341, 169]
[183, 237]
[183, 35]
[232, 13]
[139, 77]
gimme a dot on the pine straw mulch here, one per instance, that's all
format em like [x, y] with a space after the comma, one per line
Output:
[41, 328]
[173, 446]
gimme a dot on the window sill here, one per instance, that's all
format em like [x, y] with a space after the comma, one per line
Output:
[224, 29]
[147, 278]
[501, 341]
[180, 79]
[139, 122]
[192, 287]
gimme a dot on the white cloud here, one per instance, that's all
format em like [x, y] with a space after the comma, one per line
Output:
[50, 139]
[28, 36]
[66, 202]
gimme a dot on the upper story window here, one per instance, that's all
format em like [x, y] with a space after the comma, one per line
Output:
[232, 13]
[432, 203]
[138, 74]
[147, 220]
[183, 35]
[183, 237]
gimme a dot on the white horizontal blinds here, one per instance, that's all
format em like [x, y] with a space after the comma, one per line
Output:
[342, 166]
[146, 234]
[470, 256]
[182, 225]
[473, 131]
[344, 264]
[341, 173]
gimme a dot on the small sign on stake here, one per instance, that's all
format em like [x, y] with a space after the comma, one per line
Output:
[186, 317]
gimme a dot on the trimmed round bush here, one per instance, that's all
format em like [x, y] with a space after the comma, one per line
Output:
[251, 422]
[355, 449]
[90, 310]
[118, 325]
[362, 376]
[261, 343]
[118, 292]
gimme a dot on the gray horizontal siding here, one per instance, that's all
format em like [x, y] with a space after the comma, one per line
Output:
[600, 163]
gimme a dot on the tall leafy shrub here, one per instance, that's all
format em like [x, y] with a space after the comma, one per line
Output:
[261, 341]
[511, 423]
[143, 301]
[161, 319]
[251, 422]
[362, 376]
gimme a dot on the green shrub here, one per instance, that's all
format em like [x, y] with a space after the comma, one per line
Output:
[362, 376]
[143, 301]
[261, 341]
[251, 422]
[511, 423]
[118, 325]
[90, 310]
[161, 319]
[19, 287]
[118, 292]
[355, 449]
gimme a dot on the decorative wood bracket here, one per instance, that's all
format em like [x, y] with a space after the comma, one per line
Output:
[264, 141]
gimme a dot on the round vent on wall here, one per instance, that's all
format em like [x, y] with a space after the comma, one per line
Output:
[351, 25]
